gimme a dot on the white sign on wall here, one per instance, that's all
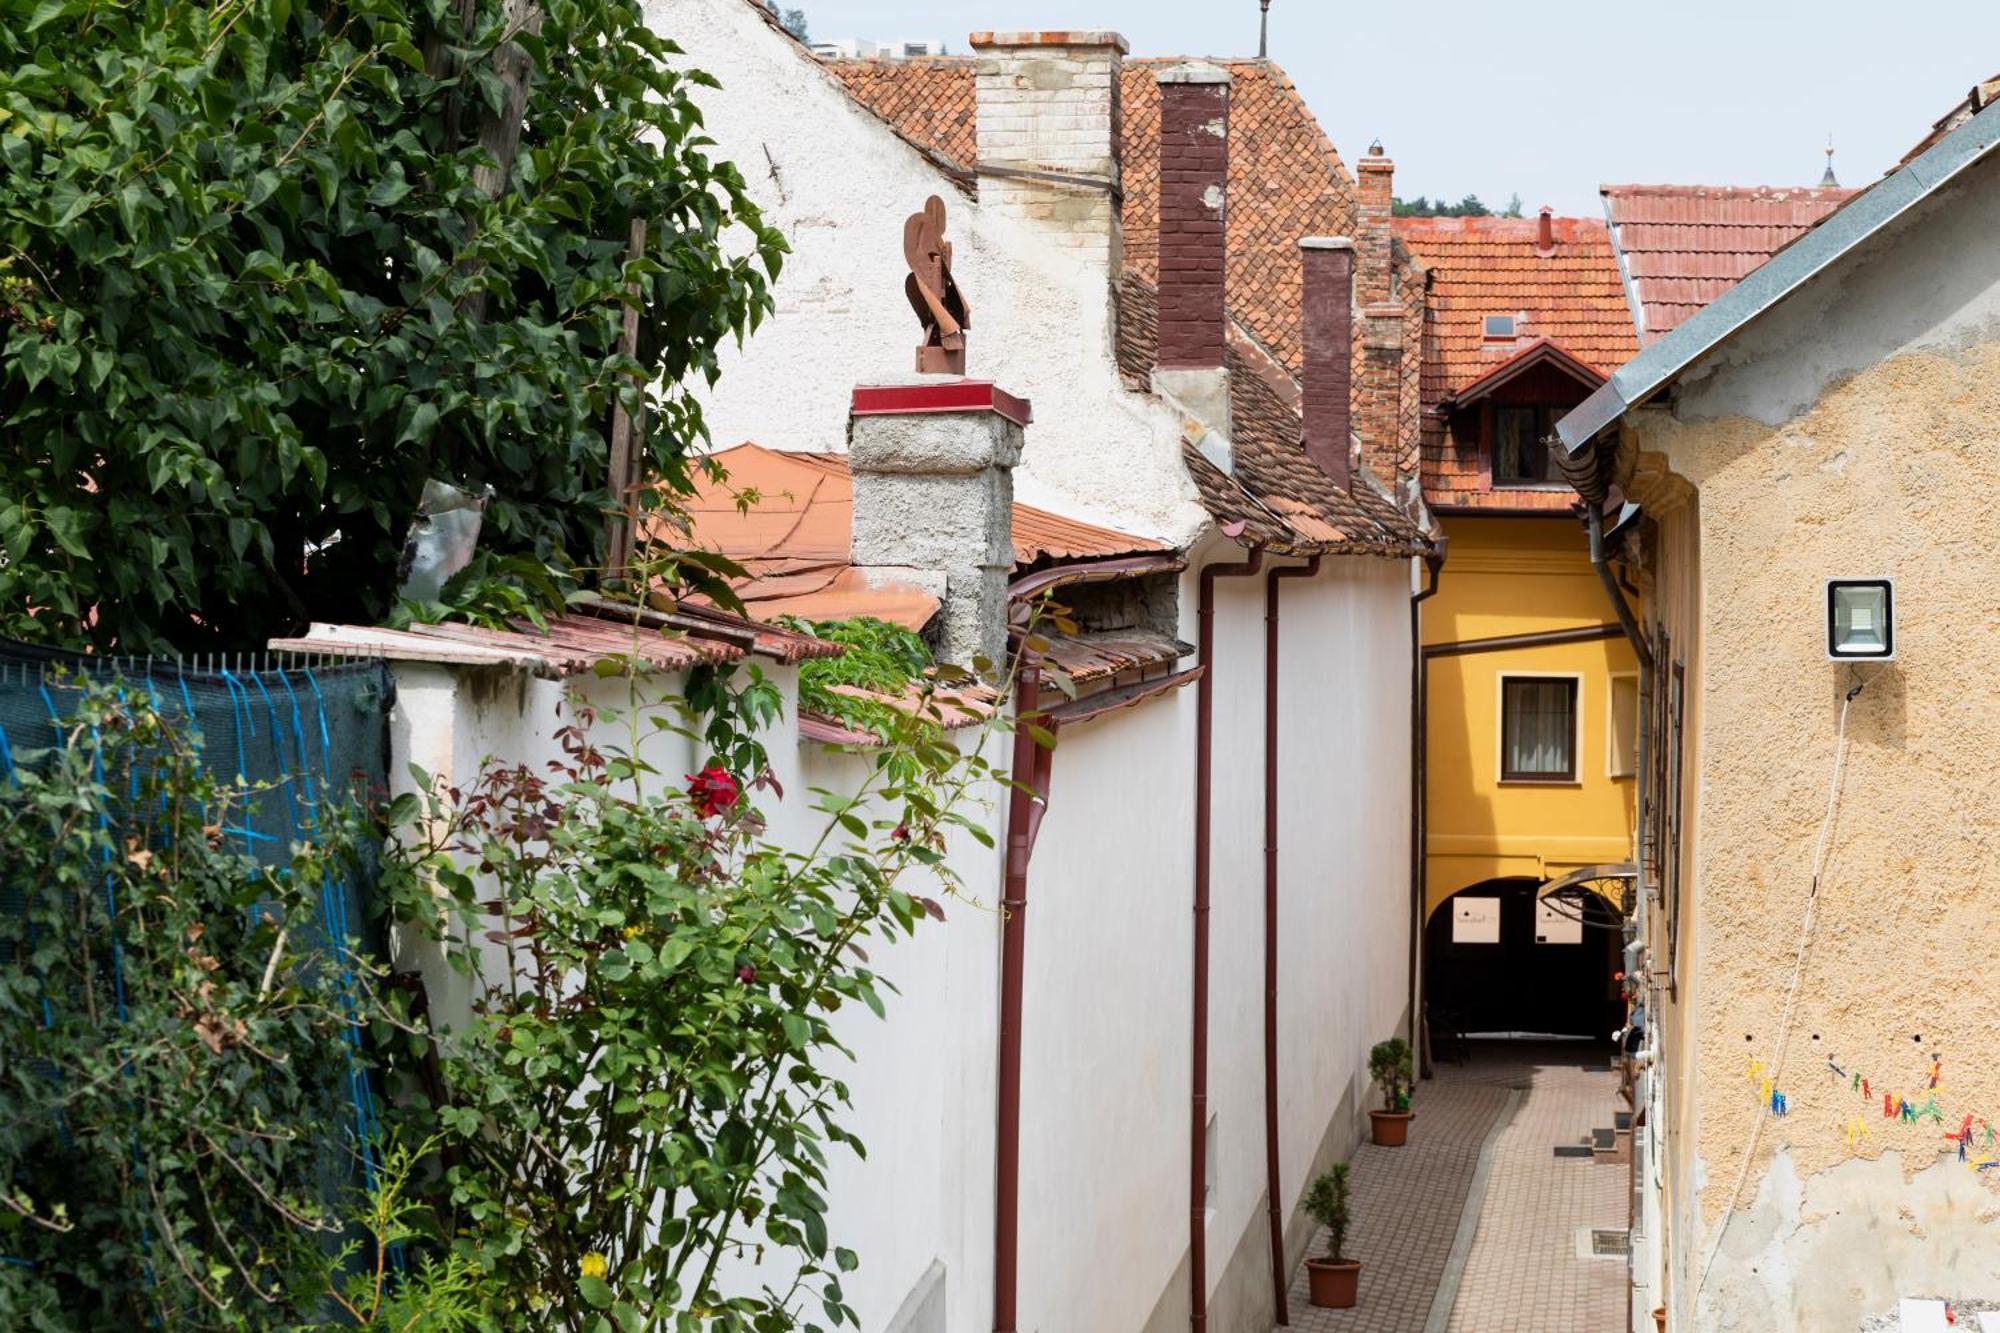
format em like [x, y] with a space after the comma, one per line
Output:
[1555, 925]
[1475, 920]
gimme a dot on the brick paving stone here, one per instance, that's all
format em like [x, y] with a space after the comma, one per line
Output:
[1408, 1201]
[1523, 1272]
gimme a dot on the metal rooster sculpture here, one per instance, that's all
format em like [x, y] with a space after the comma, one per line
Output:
[933, 293]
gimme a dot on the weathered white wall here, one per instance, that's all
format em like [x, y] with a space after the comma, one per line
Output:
[839, 184]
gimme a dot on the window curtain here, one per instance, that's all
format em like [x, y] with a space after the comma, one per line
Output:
[1541, 727]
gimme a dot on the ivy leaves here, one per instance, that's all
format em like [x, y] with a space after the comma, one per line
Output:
[262, 273]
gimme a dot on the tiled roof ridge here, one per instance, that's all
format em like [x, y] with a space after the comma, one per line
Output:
[1773, 192]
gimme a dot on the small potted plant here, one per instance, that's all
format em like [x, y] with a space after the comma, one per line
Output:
[1334, 1280]
[1389, 1065]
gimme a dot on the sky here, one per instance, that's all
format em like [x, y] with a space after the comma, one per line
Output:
[1551, 98]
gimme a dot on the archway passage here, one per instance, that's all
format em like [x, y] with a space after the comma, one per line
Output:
[1502, 958]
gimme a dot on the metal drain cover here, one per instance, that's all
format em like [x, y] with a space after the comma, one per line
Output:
[1574, 1150]
[1594, 1243]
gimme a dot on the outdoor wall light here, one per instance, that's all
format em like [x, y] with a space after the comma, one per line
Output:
[1860, 620]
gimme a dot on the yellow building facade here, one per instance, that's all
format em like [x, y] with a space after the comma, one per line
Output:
[1507, 579]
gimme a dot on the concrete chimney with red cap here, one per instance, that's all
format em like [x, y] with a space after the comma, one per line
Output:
[1194, 241]
[1047, 126]
[933, 466]
[1327, 322]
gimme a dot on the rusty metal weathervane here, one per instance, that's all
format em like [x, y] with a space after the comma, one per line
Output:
[934, 293]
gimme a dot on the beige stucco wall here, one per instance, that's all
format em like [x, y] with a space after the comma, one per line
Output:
[1890, 471]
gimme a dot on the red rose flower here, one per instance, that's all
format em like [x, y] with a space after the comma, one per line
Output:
[713, 790]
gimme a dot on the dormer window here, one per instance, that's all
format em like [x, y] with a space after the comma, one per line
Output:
[1499, 328]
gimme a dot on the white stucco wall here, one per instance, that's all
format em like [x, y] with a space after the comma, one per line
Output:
[838, 183]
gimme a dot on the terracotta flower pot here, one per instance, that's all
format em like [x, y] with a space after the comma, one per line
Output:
[1332, 1286]
[1391, 1128]
[1660, 1318]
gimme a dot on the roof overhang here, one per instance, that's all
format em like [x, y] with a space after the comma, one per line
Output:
[1540, 352]
[1862, 217]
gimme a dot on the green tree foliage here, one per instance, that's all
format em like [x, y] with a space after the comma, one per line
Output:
[1420, 207]
[266, 265]
[882, 658]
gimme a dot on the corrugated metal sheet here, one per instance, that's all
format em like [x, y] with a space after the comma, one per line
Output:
[572, 643]
[787, 518]
[1681, 246]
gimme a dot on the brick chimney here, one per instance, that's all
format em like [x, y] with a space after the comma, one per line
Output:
[1545, 233]
[1327, 321]
[1048, 124]
[1379, 368]
[1194, 185]
[933, 468]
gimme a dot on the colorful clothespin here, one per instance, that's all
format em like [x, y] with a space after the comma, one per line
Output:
[1888, 1106]
[1935, 1066]
[1864, 1088]
[1777, 1103]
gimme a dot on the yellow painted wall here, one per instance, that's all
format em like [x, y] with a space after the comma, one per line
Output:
[1508, 576]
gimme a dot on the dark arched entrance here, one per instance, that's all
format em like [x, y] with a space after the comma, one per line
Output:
[1498, 958]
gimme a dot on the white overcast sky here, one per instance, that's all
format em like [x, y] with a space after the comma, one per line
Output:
[1550, 98]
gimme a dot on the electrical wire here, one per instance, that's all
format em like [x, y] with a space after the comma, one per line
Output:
[1791, 991]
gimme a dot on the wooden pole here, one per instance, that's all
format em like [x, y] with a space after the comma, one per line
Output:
[626, 431]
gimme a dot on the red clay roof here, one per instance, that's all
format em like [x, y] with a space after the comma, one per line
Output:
[794, 540]
[1278, 494]
[1285, 178]
[1489, 266]
[1684, 245]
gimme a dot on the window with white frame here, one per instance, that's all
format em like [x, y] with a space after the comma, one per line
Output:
[1538, 728]
[1621, 744]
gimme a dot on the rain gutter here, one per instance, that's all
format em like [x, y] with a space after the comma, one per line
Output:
[1204, 749]
[1272, 1190]
[1027, 802]
[1420, 784]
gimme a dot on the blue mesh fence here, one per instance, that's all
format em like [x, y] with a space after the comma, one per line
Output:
[306, 733]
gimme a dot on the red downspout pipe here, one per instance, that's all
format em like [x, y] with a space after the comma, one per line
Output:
[1198, 1095]
[1280, 1305]
[1032, 764]
[1420, 786]
[1024, 805]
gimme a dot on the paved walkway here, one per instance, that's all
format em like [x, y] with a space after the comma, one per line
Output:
[1517, 1264]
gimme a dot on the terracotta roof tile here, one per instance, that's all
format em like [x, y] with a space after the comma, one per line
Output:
[1489, 266]
[1286, 180]
[1279, 495]
[1684, 245]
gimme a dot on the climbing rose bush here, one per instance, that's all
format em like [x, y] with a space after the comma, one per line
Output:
[645, 1100]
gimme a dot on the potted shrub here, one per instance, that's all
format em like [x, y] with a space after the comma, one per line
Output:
[1332, 1281]
[1389, 1065]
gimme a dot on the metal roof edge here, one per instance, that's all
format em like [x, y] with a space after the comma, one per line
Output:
[1859, 219]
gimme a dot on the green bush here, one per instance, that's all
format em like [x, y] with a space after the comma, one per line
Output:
[1389, 1064]
[1327, 1204]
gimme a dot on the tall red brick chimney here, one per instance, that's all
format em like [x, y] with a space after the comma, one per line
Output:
[1194, 184]
[1379, 369]
[1327, 322]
